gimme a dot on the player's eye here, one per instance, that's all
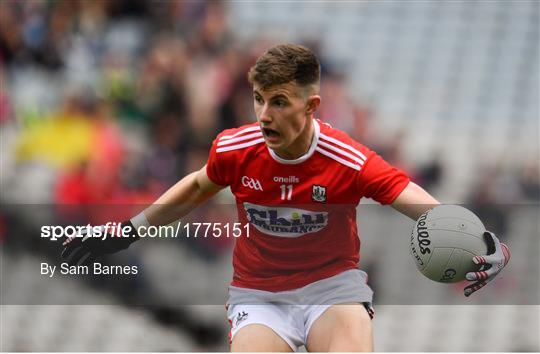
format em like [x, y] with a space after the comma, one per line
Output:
[280, 103]
[258, 99]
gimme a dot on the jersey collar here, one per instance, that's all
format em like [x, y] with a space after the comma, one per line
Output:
[304, 157]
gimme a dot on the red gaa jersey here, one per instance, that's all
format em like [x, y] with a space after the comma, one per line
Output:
[301, 213]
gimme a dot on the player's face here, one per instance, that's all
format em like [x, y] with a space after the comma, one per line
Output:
[284, 113]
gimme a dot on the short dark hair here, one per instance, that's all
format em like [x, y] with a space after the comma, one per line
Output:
[286, 63]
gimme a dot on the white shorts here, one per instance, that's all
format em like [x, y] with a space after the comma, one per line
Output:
[292, 313]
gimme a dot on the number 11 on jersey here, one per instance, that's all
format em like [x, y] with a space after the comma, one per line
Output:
[286, 191]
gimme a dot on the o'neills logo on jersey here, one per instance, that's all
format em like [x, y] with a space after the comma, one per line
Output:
[285, 222]
[290, 179]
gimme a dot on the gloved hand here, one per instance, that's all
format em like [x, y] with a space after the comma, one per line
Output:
[90, 243]
[491, 264]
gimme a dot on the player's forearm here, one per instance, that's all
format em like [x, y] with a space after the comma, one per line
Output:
[178, 201]
[414, 201]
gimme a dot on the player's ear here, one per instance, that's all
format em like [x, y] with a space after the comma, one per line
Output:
[312, 104]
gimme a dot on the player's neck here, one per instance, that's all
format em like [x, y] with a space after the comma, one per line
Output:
[301, 145]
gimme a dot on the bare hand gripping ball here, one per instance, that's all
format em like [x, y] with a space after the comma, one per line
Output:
[444, 240]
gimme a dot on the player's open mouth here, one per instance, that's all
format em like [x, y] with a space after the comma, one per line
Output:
[270, 134]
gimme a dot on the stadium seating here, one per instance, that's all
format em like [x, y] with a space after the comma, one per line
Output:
[458, 78]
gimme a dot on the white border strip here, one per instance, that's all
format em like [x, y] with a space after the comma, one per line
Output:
[248, 129]
[240, 138]
[338, 159]
[342, 152]
[343, 145]
[240, 146]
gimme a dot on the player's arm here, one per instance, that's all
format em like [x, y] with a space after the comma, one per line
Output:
[413, 201]
[181, 198]
[178, 201]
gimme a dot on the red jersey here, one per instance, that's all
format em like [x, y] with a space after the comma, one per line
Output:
[302, 212]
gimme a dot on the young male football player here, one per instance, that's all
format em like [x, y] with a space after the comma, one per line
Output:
[297, 182]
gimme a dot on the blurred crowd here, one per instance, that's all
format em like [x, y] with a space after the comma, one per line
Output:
[120, 98]
[136, 91]
[163, 75]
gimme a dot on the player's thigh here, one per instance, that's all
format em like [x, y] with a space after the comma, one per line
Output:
[258, 338]
[343, 328]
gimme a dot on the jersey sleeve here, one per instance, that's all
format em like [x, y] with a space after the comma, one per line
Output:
[217, 168]
[381, 181]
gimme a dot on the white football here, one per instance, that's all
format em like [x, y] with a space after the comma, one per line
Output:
[444, 240]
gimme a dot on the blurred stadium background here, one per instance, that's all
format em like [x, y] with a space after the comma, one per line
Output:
[111, 102]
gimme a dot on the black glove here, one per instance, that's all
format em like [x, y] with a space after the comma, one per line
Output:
[96, 241]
